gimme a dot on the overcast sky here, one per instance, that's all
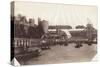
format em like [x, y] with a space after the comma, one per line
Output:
[58, 14]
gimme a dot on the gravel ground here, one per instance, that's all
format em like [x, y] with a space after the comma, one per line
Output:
[64, 54]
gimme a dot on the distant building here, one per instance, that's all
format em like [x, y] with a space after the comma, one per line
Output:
[39, 21]
[90, 31]
[42, 27]
[31, 22]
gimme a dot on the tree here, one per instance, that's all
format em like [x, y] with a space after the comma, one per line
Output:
[80, 27]
[60, 27]
[68, 27]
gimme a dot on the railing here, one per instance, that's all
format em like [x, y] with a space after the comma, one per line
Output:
[25, 42]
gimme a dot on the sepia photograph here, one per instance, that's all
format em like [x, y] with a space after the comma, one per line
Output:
[50, 33]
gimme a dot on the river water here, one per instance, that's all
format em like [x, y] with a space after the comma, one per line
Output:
[64, 54]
